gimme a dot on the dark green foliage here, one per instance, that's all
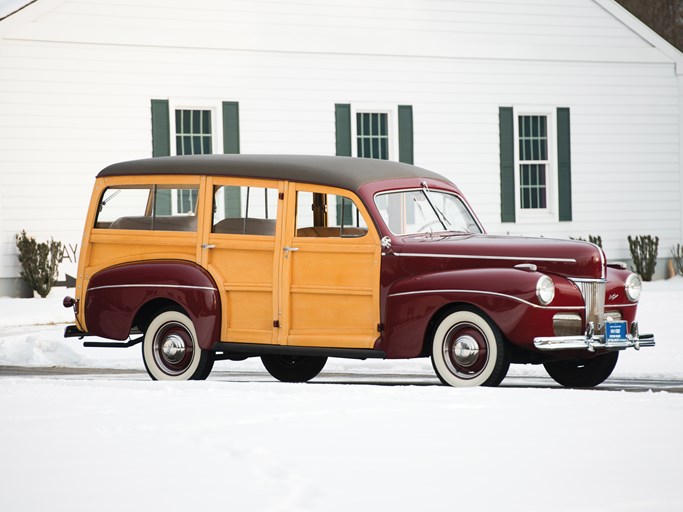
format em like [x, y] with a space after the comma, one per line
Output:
[39, 261]
[677, 256]
[644, 254]
[597, 239]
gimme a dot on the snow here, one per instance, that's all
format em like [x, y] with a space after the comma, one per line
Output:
[105, 443]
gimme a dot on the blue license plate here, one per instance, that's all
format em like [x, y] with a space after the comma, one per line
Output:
[616, 331]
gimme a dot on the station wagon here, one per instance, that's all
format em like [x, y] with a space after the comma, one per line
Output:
[295, 259]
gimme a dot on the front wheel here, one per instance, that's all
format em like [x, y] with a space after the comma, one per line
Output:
[293, 368]
[468, 350]
[170, 349]
[586, 373]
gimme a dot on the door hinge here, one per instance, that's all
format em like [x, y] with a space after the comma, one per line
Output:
[281, 195]
[380, 327]
[276, 324]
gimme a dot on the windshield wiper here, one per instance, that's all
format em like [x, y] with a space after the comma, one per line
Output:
[439, 214]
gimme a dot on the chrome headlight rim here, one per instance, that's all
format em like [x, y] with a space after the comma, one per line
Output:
[633, 287]
[545, 290]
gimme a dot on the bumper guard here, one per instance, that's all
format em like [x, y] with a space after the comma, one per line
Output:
[592, 342]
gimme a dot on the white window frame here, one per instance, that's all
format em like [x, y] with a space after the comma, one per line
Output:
[550, 212]
[392, 125]
[216, 108]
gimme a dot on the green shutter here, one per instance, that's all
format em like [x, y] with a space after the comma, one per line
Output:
[342, 118]
[161, 133]
[405, 134]
[231, 146]
[231, 127]
[507, 164]
[161, 146]
[564, 165]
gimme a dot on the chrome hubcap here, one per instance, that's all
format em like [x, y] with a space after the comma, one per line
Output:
[465, 350]
[173, 348]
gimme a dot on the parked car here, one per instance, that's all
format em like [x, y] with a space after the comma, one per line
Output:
[295, 259]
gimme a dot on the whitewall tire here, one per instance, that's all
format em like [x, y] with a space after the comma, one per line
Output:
[170, 349]
[468, 350]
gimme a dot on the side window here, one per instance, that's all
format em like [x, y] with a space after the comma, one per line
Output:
[149, 207]
[328, 216]
[244, 210]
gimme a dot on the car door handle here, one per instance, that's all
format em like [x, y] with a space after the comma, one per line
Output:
[288, 250]
[208, 246]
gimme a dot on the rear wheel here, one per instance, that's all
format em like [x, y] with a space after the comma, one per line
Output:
[170, 349]
[586, 373]
[468, 350]
[293, 368]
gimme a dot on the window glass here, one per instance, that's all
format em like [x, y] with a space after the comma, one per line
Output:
[425, 211]
[372, 135]
[148, 207]
[193, 132]
[328, 216]
[245, 210]
[533, 161]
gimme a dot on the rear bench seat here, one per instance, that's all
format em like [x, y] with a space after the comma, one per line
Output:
[248, 226]
[161, 223]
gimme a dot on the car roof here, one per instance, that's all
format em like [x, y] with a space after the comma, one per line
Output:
[335, 171]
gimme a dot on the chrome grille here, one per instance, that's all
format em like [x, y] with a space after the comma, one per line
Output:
[593, 292]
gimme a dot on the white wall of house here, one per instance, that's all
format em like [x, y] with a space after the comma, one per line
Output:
[77, 78]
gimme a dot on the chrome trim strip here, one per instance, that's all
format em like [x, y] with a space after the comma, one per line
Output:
[608, 306]
[496, 294]
[475, 257]
[184, 286]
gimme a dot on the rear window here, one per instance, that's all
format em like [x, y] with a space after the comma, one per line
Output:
[149, 208]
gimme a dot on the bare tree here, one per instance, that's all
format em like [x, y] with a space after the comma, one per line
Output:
[663, 16]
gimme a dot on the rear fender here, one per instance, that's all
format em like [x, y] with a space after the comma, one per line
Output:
[117, 294]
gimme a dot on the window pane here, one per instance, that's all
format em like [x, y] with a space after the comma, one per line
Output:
[328, 216]
[149, 207]
[242, 210]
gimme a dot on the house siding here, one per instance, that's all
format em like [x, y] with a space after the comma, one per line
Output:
[76, 82]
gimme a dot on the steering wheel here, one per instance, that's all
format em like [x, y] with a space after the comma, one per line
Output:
[431, 222]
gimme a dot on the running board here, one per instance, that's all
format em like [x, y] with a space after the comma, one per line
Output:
[257, 349]
[113, 344]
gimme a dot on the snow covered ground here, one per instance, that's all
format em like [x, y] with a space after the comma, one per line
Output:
[115, 444]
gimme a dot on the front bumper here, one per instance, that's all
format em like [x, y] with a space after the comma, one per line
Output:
[592, 342]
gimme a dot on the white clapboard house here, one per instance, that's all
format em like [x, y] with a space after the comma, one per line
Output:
[555, 117]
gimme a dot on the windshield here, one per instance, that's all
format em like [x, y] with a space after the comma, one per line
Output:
[425, 211]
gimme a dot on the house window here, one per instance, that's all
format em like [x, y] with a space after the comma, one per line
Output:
[193, 137]
[372, 135]
[535, 164]
[533, 161]
[193, 132]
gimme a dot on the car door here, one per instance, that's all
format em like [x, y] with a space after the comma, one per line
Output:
[330, 265]
[241, 249]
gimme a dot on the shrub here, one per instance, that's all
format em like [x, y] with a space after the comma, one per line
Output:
[39, 261]
[597, 240]
[644, 254]
[677, 257]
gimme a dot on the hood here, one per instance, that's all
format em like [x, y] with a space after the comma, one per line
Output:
[568, 258]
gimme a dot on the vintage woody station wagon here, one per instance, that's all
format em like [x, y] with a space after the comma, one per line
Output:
[297, 259]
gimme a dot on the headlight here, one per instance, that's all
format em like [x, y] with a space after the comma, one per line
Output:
[545, 290]
[633, 287]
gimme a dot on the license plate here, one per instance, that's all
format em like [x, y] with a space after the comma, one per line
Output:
[615, 331]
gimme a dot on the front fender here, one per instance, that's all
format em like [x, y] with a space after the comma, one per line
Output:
[507, 296]
[116, 294]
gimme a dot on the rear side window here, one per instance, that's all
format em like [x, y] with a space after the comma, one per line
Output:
[149, 208]
[239, 210]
